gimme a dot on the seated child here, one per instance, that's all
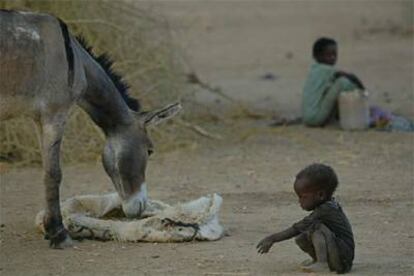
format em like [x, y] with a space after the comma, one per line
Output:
[325, 234]
[324, 83]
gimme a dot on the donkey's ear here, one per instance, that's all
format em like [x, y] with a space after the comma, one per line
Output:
[157, 116]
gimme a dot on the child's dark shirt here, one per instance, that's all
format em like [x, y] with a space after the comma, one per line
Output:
[331, 215]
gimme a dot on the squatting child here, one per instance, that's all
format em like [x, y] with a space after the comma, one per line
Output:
[325, 234]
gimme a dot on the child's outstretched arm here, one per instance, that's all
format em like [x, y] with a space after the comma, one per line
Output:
[265, 244]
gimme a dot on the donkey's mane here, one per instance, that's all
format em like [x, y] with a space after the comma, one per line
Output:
[106, 63]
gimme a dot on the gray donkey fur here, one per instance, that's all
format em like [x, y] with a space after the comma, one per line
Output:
[44, 72]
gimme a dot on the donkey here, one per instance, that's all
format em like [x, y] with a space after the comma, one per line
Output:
[44, 72]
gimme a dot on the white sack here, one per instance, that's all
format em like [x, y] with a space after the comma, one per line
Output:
[83, 216]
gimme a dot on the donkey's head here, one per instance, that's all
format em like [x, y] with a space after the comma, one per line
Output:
[125, 158]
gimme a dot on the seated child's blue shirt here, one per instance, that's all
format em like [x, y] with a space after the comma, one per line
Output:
[320, 93]
[332, 216]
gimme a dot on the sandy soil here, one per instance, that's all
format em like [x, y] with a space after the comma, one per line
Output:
[253, 171]
[254, 165]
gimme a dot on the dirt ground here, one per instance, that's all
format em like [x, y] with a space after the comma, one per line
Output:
[253, 166]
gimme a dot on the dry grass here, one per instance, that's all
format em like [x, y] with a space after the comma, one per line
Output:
[139, 41]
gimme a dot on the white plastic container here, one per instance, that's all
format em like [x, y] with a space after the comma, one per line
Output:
[353, 110]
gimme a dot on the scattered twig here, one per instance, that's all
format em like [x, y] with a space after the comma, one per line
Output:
[198, 129]
[226, 273]
[194, 79]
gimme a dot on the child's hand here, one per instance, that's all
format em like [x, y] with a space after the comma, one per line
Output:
[265, 245]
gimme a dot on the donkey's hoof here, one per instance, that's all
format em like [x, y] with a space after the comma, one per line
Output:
[61, 241]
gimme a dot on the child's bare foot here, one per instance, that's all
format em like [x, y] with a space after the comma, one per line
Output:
[316, 267]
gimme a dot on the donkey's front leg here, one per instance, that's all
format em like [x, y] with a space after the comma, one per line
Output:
[52, 132]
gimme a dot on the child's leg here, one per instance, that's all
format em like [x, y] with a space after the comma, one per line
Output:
[304, 242]
[328, 102]
[326, 248]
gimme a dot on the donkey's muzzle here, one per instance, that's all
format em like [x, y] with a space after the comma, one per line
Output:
[134, 206]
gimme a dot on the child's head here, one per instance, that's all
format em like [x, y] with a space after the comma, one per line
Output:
[314, 185]
[325, 51]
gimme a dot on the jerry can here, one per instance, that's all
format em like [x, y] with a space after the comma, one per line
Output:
[353, 110]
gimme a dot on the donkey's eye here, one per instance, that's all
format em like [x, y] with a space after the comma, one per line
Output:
[150, 151]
